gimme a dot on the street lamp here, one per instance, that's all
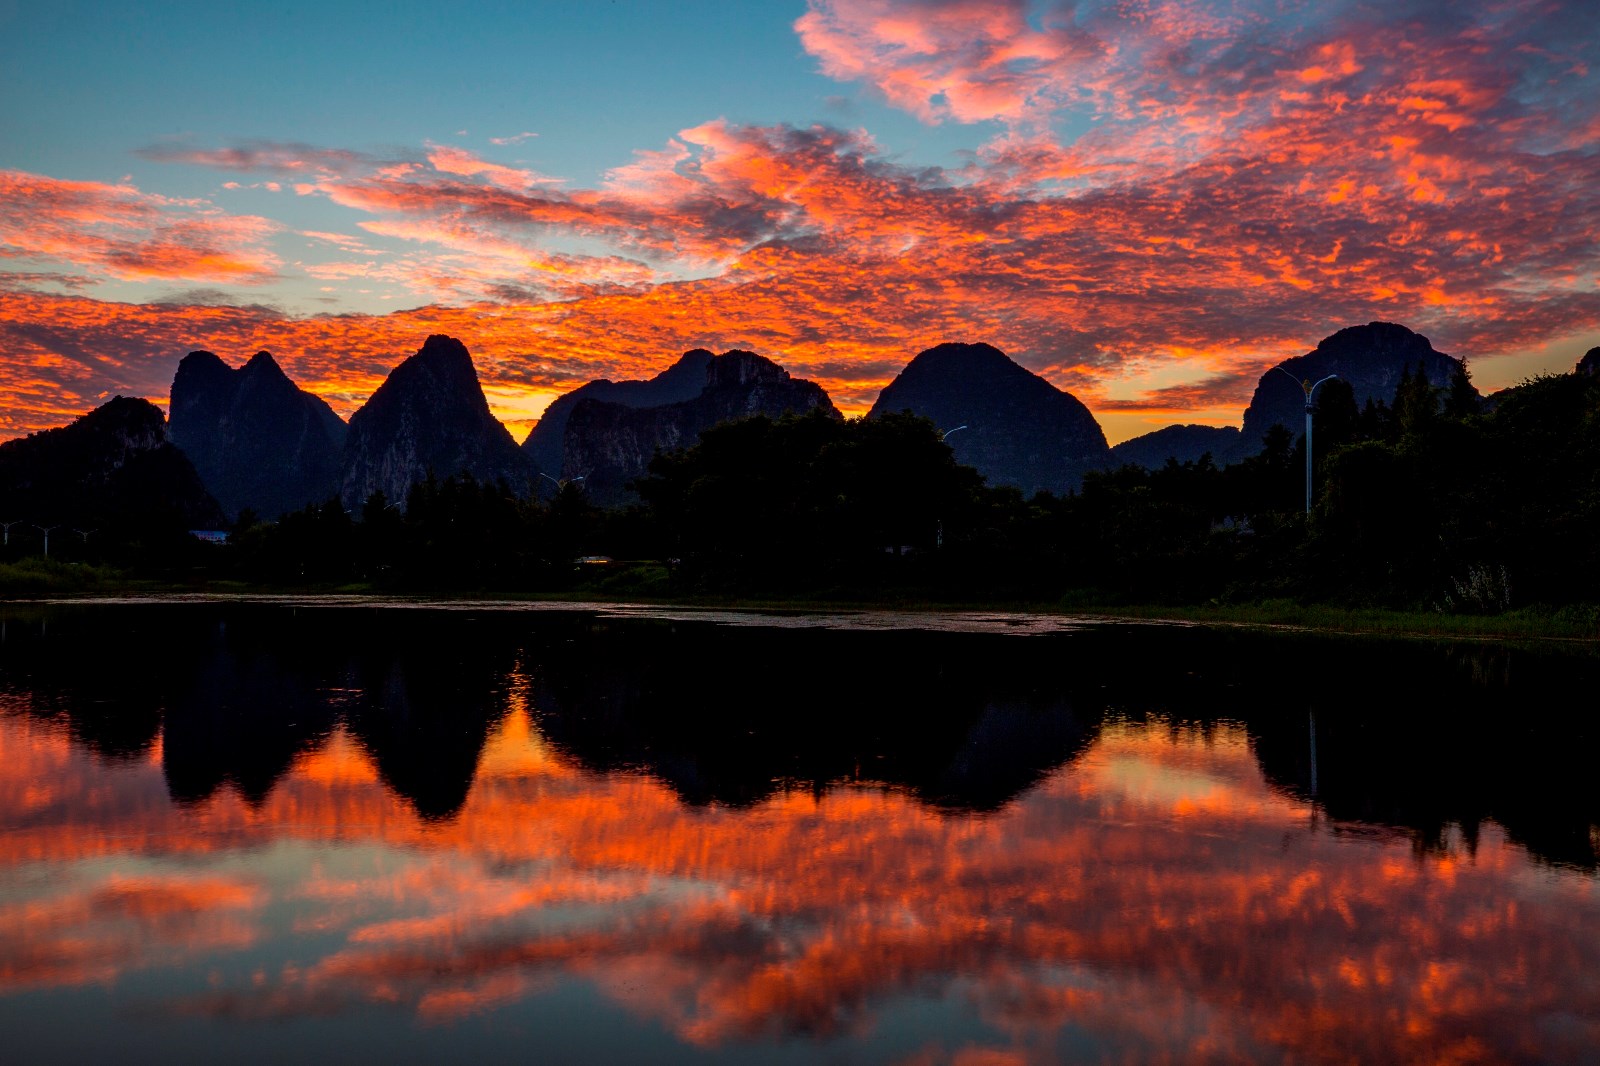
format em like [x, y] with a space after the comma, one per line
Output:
[1310, 391]
[938, 533]
[563, 483]
[46, 531]
[8, 526]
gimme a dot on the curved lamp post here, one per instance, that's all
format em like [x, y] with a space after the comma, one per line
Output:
[1310, 391]
[563, 483]
[938, 535]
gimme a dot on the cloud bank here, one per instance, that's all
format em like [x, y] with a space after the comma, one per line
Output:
[1162, 199]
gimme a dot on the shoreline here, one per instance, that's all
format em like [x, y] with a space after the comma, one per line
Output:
[1575, 626]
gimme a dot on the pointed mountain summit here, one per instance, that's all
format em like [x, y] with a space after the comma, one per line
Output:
[1370, 358]
[1589, 364]
[258, 440]
[1021, 430]
[610, 443]
[112, 467]
[683, 380]
[428, 416]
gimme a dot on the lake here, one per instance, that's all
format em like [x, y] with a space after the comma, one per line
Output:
[246, 831]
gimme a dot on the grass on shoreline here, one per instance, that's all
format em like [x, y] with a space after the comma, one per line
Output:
[39, 578]
[1577, 622]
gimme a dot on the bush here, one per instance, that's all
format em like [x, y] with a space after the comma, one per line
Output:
[38, 576]
[1484, 590]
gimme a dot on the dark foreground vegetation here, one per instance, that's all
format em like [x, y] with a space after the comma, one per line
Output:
[1438, 503]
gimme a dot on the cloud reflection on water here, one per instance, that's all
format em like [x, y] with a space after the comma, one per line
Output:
[1155, 895]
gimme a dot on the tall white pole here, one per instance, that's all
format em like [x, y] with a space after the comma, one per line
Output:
[1308, 451]
[1310, 390]
[938, 523]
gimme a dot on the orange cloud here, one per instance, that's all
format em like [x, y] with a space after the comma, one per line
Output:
[117, 231]
[1232, 188]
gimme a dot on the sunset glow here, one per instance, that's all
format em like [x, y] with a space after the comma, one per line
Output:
[1093, 903]
[1147, 203]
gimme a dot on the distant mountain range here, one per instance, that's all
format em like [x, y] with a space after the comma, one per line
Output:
[610, 443]
[261, 443]
[683, 380]
[114, 464]
[249, 438]
[1186, 444]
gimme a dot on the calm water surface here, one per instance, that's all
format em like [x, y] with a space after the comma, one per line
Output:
[242, 832]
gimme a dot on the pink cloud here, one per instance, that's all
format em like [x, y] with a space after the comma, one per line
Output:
[1169, 84]
[117, 231]
[459, 161]
[967, 60]
[343, 241]
[475, 266]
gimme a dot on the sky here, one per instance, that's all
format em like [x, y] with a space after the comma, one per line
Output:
[1148, 203]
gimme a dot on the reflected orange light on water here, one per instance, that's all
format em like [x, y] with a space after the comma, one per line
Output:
[1155, 892]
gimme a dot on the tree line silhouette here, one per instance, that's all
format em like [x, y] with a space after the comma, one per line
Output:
[1438, 500]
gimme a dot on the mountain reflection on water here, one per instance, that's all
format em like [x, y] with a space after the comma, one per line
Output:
[666, 839]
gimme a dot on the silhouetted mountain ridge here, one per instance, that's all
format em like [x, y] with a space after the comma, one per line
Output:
[257, 440]
[1186, 444]
[1020, 429]
[610, 444]
[429, 415]
[1371, 359]
[113, 464]
[683, 380]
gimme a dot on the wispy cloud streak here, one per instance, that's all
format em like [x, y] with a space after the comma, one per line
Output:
[120, 232]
